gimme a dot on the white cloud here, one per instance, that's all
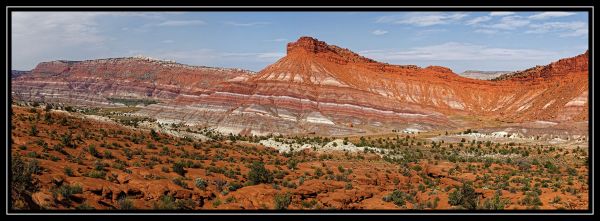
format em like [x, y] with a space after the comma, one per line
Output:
[509, 23]
[421, 33]
[379, 32]
[44, 36]
[422, 18]
[246, 24]
[74, 27]
[565, 29]
[478, 20]
[501, 13]
[455, 51]
[39, 36]
[486, 31]
[547, 15]
[177, 23]
[211, 57]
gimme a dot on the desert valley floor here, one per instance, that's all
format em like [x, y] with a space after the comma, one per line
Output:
[79, 158]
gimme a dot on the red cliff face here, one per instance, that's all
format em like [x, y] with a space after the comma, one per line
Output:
[52, 67]
[319, 87]
[90, 82]
[566, 67]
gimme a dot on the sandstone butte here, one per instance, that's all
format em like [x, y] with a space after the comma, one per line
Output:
[316, 87]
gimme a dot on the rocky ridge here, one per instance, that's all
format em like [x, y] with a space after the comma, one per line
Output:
[315, 88]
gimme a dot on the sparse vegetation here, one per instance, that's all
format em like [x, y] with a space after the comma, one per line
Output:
[464, 197]
[415, 168]
[282, 201]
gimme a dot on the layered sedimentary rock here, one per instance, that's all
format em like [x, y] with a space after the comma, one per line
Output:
[316, 88]
[92, 81]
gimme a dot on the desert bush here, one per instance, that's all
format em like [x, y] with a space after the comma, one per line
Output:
[318, 172]
[34, 167]
[68, 171]
[348, 186]
[66, 140]
[282, 201]
[217, 202]
[292, 164]
[125, 204]
[165, 202]
[97, 174]
[309, 204]
[154, 135]
[465, 197]
[551, 167]
[179, 182]
[178, 168]
[200, 183]
[233, 186]
[532, 199]
[259, 174]
[33, 131]
[93, 151]
[185, 204]
[397, 197]
[496, 203]
[67, 191]
[22, 185]
[220, 183]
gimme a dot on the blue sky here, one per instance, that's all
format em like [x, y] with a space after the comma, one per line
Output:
[252, 40]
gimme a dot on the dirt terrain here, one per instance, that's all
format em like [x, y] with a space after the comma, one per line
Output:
[79, 158]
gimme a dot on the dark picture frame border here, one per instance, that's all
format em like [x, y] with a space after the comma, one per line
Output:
[428, 213]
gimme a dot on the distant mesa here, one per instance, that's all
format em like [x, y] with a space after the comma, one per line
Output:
[483, 75]
[316, 88]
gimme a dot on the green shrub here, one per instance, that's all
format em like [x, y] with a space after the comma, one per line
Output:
[34, 167]
[33, 131]
[67, 191]
[180, 182]
[282, 201]
[97, 174]
[165, 203]
[108, 154]
[22, 185]
[292, 164]
[496, 203]
[348, 186]
[200, 183]
[178, 168]
[93, 151]
[68, 171]
[233, 186]
[217, 202]
[125, 204]
[220, 183]
[532, 199]
[397, 197]
[185, 204]
[465, 197]
[259, 174]
[341, 169]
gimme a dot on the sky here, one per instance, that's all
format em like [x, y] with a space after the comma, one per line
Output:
[487, 41]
